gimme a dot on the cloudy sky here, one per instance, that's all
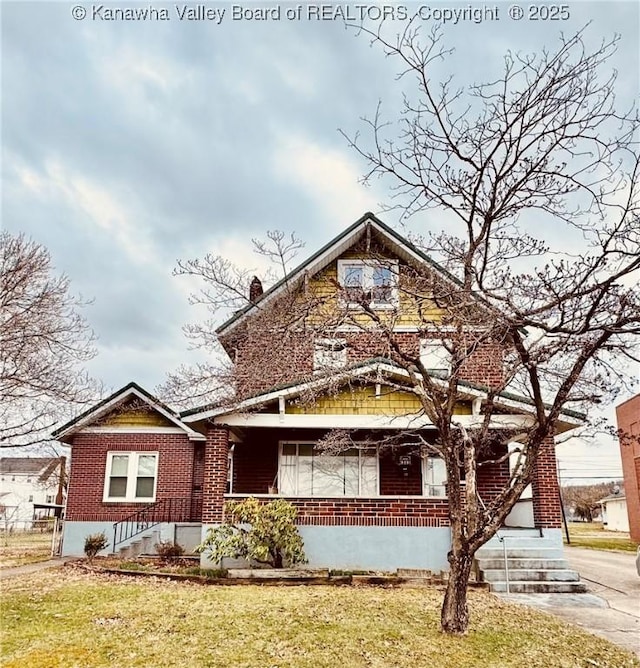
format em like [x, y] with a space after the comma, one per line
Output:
[129, 144]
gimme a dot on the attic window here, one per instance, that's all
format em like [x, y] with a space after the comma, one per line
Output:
[370, 282]
[329, 354]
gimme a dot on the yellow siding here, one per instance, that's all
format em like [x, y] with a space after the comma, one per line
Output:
[363, 401]
[413, 311]
[136, 417]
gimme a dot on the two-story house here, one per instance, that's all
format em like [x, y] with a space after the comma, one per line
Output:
[303, 373]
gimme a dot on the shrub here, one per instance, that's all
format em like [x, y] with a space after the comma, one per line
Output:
[264, 533]
[93, 544]
[169, 551]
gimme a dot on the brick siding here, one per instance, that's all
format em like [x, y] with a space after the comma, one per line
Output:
[628, 419]
[88, 467]
[547, 512]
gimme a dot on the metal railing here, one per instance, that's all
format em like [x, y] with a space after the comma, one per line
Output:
[165, 510]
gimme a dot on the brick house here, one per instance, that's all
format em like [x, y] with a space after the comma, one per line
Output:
[364, 507]
[628, 418]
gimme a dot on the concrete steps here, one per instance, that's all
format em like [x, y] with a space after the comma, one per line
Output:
[535, 564]
[141, 544]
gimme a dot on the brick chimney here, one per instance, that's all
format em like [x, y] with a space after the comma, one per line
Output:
[255, 290]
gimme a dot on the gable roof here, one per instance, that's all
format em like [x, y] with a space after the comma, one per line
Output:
[330, 251]
[379, 365]
[107, 405]
[28, 465]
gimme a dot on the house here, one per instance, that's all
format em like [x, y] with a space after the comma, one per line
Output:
[614, 512]
[136, 462]
[628, 418]
[31, 489]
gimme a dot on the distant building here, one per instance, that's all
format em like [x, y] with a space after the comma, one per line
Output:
[31, 488]
[614, 513]
[628, 418]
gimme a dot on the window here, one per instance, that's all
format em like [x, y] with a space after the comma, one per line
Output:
[306, 471]
[30, 498]
[435, 356]
[131, 476]
[373, 282]
[49, 498]
[329, 354]
[434, 477]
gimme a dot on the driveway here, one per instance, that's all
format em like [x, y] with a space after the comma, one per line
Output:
[611, 609]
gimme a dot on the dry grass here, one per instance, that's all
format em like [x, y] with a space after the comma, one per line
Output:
[593, 535]
[21, 547]
[70, 618]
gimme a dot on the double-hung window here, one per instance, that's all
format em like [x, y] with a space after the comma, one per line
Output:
[304, 470]
[131, 476]
[435, 356]
[369, 281]
[329, 354]
[434, 477]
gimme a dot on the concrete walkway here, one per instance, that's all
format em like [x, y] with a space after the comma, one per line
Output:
[31, 568]
[611, 609]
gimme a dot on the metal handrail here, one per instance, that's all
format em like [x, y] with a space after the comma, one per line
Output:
[503, 540]
[165, 510]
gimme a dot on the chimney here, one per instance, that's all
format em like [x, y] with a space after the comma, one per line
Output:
[255, 290]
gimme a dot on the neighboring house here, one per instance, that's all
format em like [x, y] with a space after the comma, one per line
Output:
[32, 488]
[628, 418]
[365, 507]
[614, 512]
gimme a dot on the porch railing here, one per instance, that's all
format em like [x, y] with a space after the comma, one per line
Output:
[165, 510]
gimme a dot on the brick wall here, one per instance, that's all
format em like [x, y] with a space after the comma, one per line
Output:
[283, 361]
[215, 474]
[88, 466]
[628, 419]
[547, 512]
[349, 511]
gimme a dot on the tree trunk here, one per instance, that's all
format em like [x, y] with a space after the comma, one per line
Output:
[455, 611]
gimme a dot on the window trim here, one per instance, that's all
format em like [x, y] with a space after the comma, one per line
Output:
[423, 471]
[368, 269]
[132, 468]
[327, 496]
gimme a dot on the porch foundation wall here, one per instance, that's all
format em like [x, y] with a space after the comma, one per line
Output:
[76, 532]
[382, 548]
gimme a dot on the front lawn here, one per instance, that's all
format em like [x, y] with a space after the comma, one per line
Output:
[593, 535]
[67, 618]
[18, 548]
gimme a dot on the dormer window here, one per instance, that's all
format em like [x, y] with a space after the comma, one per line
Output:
[368, 282]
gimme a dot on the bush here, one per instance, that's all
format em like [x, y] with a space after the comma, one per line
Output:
[94, 543]
[169, 551]
[264, 533]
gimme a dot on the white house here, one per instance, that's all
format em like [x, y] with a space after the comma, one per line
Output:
[31, 488]
[614, 512]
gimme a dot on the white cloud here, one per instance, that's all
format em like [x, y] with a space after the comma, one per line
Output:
[328, 177]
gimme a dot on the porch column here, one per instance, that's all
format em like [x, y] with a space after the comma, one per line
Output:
[547, 513]
[215, 474]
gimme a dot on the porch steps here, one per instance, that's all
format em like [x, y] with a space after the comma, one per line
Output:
[141, 544]
[535, 564]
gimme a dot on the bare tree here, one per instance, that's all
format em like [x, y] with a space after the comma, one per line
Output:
[539, 152]
[44, 343]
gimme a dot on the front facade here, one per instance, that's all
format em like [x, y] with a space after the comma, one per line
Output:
[628, 418]
[380, 503]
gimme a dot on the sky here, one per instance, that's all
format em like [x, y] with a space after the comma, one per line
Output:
[130, 144]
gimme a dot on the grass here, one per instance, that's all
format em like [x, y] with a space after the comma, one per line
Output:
[593, 535]
[68, 617]
[18, 548]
